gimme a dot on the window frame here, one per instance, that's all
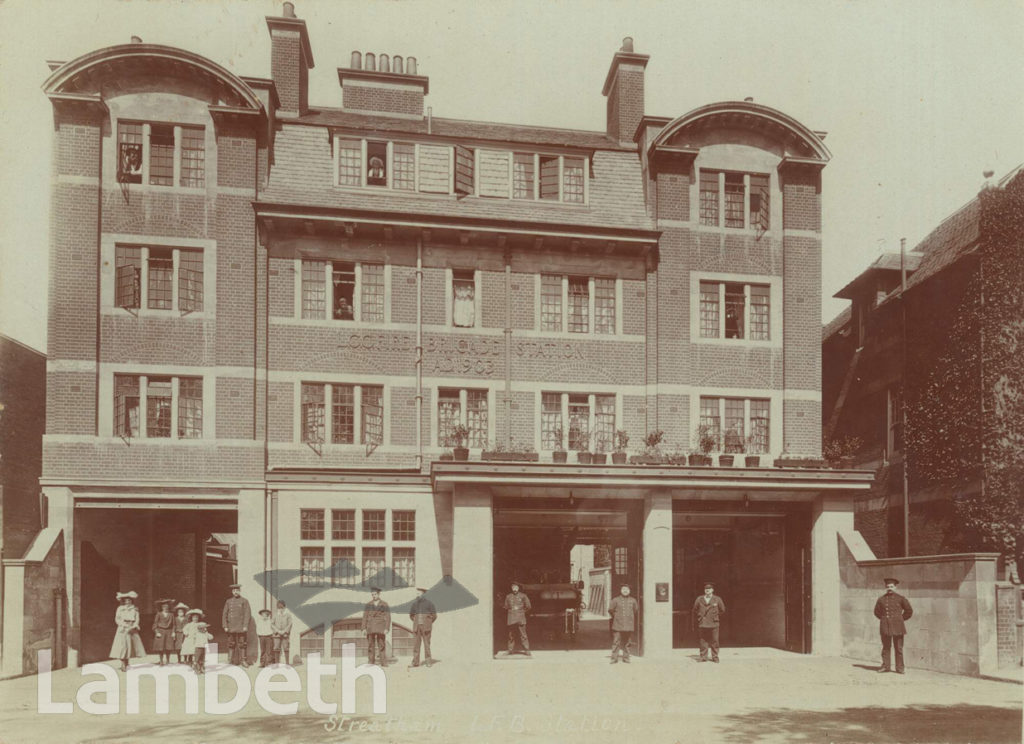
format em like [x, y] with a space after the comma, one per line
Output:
[177, 413]
[719, 403]
[483, 435]
[762, 308]
[313, 274]
[595, 285]
[597, 418]
[726, 208]
[359, 423]
[450, 282]
[183, 259]
[181, 165]
[536, 177]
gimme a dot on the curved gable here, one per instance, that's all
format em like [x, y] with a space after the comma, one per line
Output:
[795, 137]
[104, 71]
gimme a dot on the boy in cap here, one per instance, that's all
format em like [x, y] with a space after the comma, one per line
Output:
[235, 620]
[202, 637]
[892, 609]
[265, 632]
[376, 623]
[422, 613]
[282, 625]
[624, 611]
[517, 605]
[707, 617]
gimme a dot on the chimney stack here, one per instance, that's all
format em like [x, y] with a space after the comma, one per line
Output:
[291, 59]
[624, 87]
[136, 39]
[382, 84]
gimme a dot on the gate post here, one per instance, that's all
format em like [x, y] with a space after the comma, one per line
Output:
[657, 568]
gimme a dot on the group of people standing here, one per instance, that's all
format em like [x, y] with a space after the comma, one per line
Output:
[376, 625]
[182, 631]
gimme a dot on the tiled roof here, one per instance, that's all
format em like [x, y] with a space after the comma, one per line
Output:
[953, 238]
[303, 175]
[885, 262]
[461, 129]
[836, 324]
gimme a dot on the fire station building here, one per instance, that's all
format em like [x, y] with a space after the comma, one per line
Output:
[269, 319]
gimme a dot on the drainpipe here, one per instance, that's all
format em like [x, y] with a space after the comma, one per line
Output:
[903, 397]
[508, 344]
[419, 353]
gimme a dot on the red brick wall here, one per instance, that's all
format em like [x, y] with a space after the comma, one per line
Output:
[625, 105]
[287, 68]
[383, 100]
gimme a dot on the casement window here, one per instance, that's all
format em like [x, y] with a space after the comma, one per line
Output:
[504, 174]
[737, 424]
[357, 413]
[734, 310]
[353, 290]
[734, 200]
[400, 166]
[591, 421]
[161, 154]
[158, 278]
[464, 407]
[173, 407]
[464, 298]
[358, 557]
[571, 302]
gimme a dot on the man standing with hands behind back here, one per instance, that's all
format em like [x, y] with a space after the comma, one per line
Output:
[892, 609]
[235, 620]
[376, 624]
[624, 611]
[707, 616]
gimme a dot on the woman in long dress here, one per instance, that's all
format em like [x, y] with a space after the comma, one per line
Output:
[127, 641]
[163, 631]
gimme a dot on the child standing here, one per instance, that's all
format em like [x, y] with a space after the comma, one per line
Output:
[163, 631]
[179, 627]
[188, 643]
[202, 637]
[265, 632]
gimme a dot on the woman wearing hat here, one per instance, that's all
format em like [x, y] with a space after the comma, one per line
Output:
[188, 643]
[179, 627]
[127, 642]
[163, 631]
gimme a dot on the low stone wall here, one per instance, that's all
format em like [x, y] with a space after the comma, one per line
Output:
[954, 599]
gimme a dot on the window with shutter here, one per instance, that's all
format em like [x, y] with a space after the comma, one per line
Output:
[549, 178]
[464, 163]
[494, 173]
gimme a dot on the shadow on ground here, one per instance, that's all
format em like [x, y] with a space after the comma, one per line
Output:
[931, 724]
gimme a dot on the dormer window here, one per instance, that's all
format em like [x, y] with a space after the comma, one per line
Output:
[376, 163]
[734, 200]
[161, 154]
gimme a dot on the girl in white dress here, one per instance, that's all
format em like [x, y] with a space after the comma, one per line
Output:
[188, 643]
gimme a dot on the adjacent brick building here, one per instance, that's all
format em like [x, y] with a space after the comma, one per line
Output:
[271, 319]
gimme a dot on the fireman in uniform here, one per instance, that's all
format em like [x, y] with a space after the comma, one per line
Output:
[892, 609]
[376, 625]
[235, 620]
[517, 604]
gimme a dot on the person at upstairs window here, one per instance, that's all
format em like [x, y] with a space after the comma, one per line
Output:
[892, 610]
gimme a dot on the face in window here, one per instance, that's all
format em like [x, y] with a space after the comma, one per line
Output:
[376, 164]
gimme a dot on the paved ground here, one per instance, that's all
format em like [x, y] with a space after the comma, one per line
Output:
[753, 695]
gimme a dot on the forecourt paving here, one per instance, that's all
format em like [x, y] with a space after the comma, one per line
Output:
[753, 695]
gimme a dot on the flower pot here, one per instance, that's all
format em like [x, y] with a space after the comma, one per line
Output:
[725, 461]
[752, 461]
[461, 453]
[510, 456]
[559, 456]
[447, 457]
[694, 460]
[618, 458]
[599, 458]
[677, 460]
[583, 458]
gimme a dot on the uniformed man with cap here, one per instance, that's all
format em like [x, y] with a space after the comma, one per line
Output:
[422, 613]
[707, 617]
[235, 620]
[376, 623]
[625, 612]
[517, 605]
[892, 609]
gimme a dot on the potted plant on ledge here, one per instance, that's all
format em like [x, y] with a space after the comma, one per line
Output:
[734, 445]
[559, 455]
[583, 448]
[621, 442]
[751, 459]
[599, 457]
[652, 449]
[460, 436]
[706, 442]
[515, 453]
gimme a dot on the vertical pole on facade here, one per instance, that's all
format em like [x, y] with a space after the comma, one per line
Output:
[903, 396]
[419, 351]
[508, 341]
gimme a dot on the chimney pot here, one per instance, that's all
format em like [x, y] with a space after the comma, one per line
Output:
[289, 10]
[136, 39]
[396, 64]
[384, 64]
[370, 62]
[410, 65]
[749, 99]
[357, 61]
[627, 44]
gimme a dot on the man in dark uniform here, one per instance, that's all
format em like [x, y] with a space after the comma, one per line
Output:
[422, 613]
[892, 609]
[376, 623]
[707, 617]
[235, 620]
[624, 611]
[517, 604]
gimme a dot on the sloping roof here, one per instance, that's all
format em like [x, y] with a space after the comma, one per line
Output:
[461, 129]
[884, 263]
[836, 324]
[953, 238]
[303, 175]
